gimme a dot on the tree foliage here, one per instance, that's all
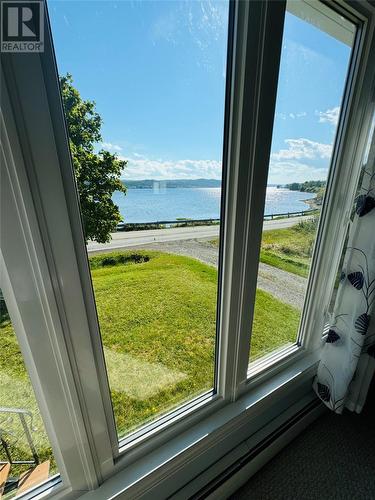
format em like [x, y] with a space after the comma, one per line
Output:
[307, 186]
[317, 187]
[97, 173]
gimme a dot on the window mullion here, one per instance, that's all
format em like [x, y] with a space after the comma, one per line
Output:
[257, 48]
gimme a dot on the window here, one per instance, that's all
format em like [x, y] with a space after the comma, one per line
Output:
[26, 458]
[160, 406]
[315, 57]
[162, 127]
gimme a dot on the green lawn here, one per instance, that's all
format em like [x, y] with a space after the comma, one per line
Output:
[157, 316]
[288, 249]
[16, 392]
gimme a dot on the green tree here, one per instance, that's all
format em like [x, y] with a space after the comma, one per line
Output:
[320, 195]
[97, 173]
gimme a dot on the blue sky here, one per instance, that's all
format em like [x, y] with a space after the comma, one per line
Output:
[156, 70]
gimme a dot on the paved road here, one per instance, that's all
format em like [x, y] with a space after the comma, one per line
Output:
[136, 238]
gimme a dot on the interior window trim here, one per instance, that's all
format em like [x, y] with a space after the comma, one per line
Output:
[97, 430]
[320, 284]
[345, 166]
[22, 255]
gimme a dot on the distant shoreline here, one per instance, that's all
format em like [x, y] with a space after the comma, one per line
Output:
[171, 183]
[312, 203]
[176, 183]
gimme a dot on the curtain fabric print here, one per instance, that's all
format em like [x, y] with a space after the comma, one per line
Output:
[347, 364]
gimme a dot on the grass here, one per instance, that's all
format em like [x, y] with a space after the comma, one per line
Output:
[275, 325]
[288, 249]
[16, 392]
[157, 315]
[161, 315]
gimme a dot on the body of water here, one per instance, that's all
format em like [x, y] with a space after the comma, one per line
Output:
[149, 205]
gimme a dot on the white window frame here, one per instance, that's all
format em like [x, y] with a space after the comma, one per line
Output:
[52, 252]
[346, 162]
[351, 134]
[30, 297]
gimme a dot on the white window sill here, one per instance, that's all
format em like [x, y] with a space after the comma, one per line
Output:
[135, 478]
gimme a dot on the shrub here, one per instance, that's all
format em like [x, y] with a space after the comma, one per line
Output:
[139, 226]
[109, 261]
[4, 316]
[119, 258]
[308, 226]
[288, 250]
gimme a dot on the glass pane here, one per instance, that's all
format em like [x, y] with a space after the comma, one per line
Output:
[26, 458]
[315, 57]
[148, 163]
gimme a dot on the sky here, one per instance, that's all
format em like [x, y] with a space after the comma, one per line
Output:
[157, 73]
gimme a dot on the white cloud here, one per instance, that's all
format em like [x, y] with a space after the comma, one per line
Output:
[205, 21]
[285, 172]
[111, 147]
[293, 116]
[285, 165]
[303, 149]
[166, 27]
[329, 116]
[145, 168]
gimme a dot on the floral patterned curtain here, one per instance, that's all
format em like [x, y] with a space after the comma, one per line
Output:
[347, 363]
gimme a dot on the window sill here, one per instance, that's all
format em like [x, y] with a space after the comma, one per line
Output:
[272, 364]
[151, 436]
[149, 431]
[52, 487]
[226, 429]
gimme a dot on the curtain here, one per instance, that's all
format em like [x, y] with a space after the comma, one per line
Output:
[347, 363]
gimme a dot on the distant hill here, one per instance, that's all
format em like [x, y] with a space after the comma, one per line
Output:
[307, 186]
[173, 183]
[316, 187]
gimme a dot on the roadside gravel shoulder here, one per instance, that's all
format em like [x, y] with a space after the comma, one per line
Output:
[286, 287]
